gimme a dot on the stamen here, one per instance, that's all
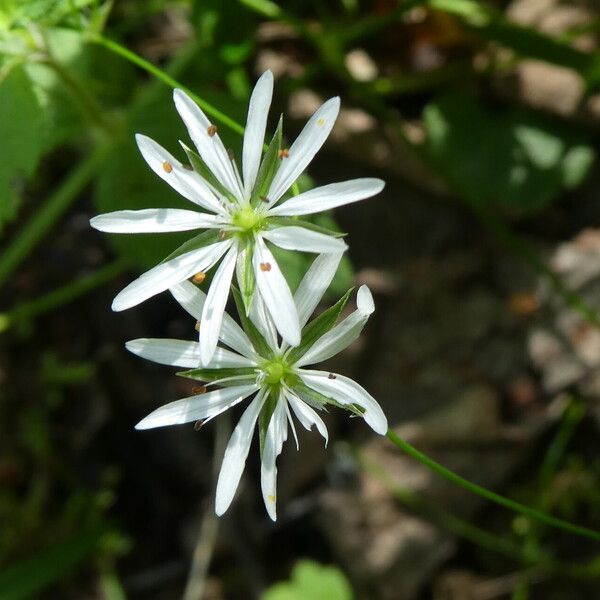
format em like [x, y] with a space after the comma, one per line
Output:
[167, 166]
[199, 277]
[197, 326]
[321, 122]
[284, 153]
[222, 234]
[201, 389]
[188, 167]
[212, 129]
[331, 376]
[271, 498]
[264, 199]
[265, 266]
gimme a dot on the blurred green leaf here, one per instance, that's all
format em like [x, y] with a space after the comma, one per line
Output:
[512, 158]
[526, 41]
[21, 141]
[30, 577]
[311, 581]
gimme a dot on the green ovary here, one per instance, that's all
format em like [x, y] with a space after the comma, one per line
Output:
[275, 372]
[247, 219]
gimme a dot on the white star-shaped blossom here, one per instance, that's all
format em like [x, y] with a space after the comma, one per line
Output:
[272, 371]
[241, 213]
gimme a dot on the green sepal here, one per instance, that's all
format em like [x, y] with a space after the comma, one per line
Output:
[245, 275]
[268, 167]
[206, 238]
[320, 401]
[317, 328]
[255, 336]
[274, 222]
[202, 169]
[265, 417]
[208, 375]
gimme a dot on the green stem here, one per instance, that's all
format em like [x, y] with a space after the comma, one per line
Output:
[51, 210]
[167, 79]
[487, 494]
[62, 295]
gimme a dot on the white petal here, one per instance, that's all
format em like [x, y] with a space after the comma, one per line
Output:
[346, 391]
[192, 300]
[304, 240]
[262, 321]
[307, 416]
[154, 220]
[204, 406]
[209, 147]
[182, 353]
[307, 144]
[188, 183]
[214, 307]
[276, 435]
[256, 124]
[327, 197]
[236, 454]
[314, 284]
[343, 334]
[276, 293]
[167, 274]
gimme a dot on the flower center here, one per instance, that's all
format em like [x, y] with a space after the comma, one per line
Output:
[247, 219]
[275, 371]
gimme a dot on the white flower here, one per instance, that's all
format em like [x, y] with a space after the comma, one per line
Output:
[275, 373]
[240, 213]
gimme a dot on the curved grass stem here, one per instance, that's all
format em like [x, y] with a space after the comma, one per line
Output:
[488, 494]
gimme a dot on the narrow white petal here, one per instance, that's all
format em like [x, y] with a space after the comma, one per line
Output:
[256, 124]
[343, 334]
[236, 454]
[168, 274]
[327, 197]
[210, 147]
[204, 406]
[276, 435]
[314, 284]
[263, 321]
[302, 151]
[307, 416]
[304, 240]
[188, 183]
[154, 220]
[182, 353]
[346, 391]
[276, 293]
[192, 300]
[364, 301]
[214, 307]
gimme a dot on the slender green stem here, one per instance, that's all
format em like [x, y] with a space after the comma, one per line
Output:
[487, 494]
[62, 295]
[168, 80]
[50, 211]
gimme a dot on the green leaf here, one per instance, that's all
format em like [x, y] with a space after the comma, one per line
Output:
[245, 275]
[313, 330]
[268, 167]
[30, 577]
[20, 127]
[258, 341]
[214, 374]
[311, 580]
[511, 158]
